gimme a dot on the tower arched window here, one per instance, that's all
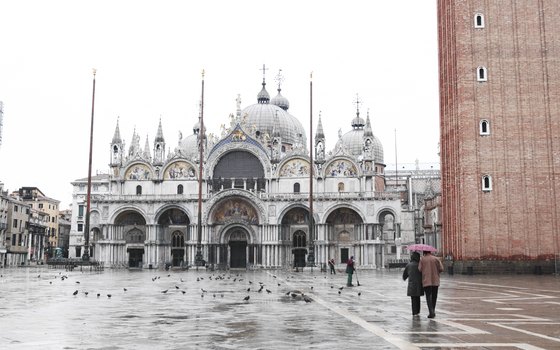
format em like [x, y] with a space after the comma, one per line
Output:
[296, 187]
[478, 20]
[484, 127]
[481, 74]
[138, 190]
[115, 149]
[486, 183]
[180, 189]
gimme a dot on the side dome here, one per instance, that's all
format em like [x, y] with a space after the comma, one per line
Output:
[188, 146]
[353, 141]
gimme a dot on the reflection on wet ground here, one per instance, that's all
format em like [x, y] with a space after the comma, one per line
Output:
[207, 310]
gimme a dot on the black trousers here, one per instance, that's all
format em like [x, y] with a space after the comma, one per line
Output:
[431, 298]
[415, 305]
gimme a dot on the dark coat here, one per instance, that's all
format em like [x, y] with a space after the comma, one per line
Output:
[414, 279]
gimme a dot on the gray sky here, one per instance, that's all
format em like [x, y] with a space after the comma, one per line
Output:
[149, 56]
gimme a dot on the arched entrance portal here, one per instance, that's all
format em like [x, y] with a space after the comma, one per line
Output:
[238, 247]
[299, 249]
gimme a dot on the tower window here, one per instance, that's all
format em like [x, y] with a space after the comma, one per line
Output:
[180, 189]
[484, 127]
[296, 187]
[479, 20]
[486, 183]
[481, 74]
[138, 190]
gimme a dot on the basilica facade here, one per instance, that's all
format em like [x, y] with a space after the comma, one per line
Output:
[255, 197]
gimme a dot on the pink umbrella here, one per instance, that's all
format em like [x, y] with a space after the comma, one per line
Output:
[421, 248]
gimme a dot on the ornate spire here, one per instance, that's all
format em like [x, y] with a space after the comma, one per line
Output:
[134, 144]
[319, 133]
[117, 135]
[263, 96]
[368, 130]
[146, 153]
[159, 135]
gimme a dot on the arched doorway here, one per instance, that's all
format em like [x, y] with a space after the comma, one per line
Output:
[237, 247]
[299, 249]
[295, 227]
[177, 248]
[133, 226]
[173, 227]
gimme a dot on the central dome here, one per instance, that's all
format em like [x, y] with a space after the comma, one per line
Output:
[268, 117]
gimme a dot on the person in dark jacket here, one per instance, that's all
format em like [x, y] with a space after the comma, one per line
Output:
[350, 268]
[414, 276]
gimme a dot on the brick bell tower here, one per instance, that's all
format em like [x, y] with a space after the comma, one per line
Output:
[499, 79]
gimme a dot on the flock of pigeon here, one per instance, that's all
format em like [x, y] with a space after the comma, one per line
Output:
[258, 287]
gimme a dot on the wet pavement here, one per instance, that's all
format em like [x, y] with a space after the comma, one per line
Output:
[206, 310]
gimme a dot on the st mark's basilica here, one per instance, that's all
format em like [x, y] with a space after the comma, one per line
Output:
[255, 196]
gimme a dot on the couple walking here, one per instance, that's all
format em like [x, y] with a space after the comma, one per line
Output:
[423, 278]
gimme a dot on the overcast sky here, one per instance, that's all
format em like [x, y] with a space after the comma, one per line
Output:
[149, 56]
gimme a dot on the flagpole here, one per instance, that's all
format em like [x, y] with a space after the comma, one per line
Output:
[311, 253]
[198, 260]
[85, 255]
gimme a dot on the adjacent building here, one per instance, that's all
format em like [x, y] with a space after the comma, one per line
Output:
[500, 150]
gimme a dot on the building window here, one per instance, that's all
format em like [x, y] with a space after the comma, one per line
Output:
[40, 205]
[78, 252]
[296, 187]
[479, 20]
[80, 210]
[80, 227]
[341, 187]
[15, 208]
[138, 190]
[481, 74]
[487, 183]
[15, 223]
[299, 240]
[344, 255]
[180, 189]
[484, 127]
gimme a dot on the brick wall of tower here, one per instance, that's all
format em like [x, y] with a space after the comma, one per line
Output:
[520, 47]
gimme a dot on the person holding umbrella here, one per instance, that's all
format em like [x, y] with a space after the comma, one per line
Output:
[414, 276]
[430, 267]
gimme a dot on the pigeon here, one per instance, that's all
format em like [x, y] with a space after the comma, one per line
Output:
[164, 291]
[98, 295]
[359, 293]
[246, 298]
[77, 282]
[86, 293]
[307, 299]
[339, 292]
[268, 291]
[249, 289]
[75, 293]
[341, 288]
[108, 295]
[124, 289]
[176, 287]
[183, 292]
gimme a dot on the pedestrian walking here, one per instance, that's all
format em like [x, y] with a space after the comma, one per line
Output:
[431, 267]
[414, 276]
[350, 271]
[331, 265]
